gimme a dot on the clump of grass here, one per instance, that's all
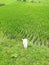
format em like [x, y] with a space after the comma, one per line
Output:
[16, 54]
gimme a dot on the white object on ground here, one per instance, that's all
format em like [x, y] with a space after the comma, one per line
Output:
[25, 43]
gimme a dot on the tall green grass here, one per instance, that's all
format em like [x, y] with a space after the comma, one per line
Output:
[25, 20]
[6, 1]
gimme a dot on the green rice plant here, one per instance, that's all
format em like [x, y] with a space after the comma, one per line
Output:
[25, 20]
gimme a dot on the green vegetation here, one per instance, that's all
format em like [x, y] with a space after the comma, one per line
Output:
[13, 53]
[7, 1]
[24, 20]
[33, 1]
[20, 20]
